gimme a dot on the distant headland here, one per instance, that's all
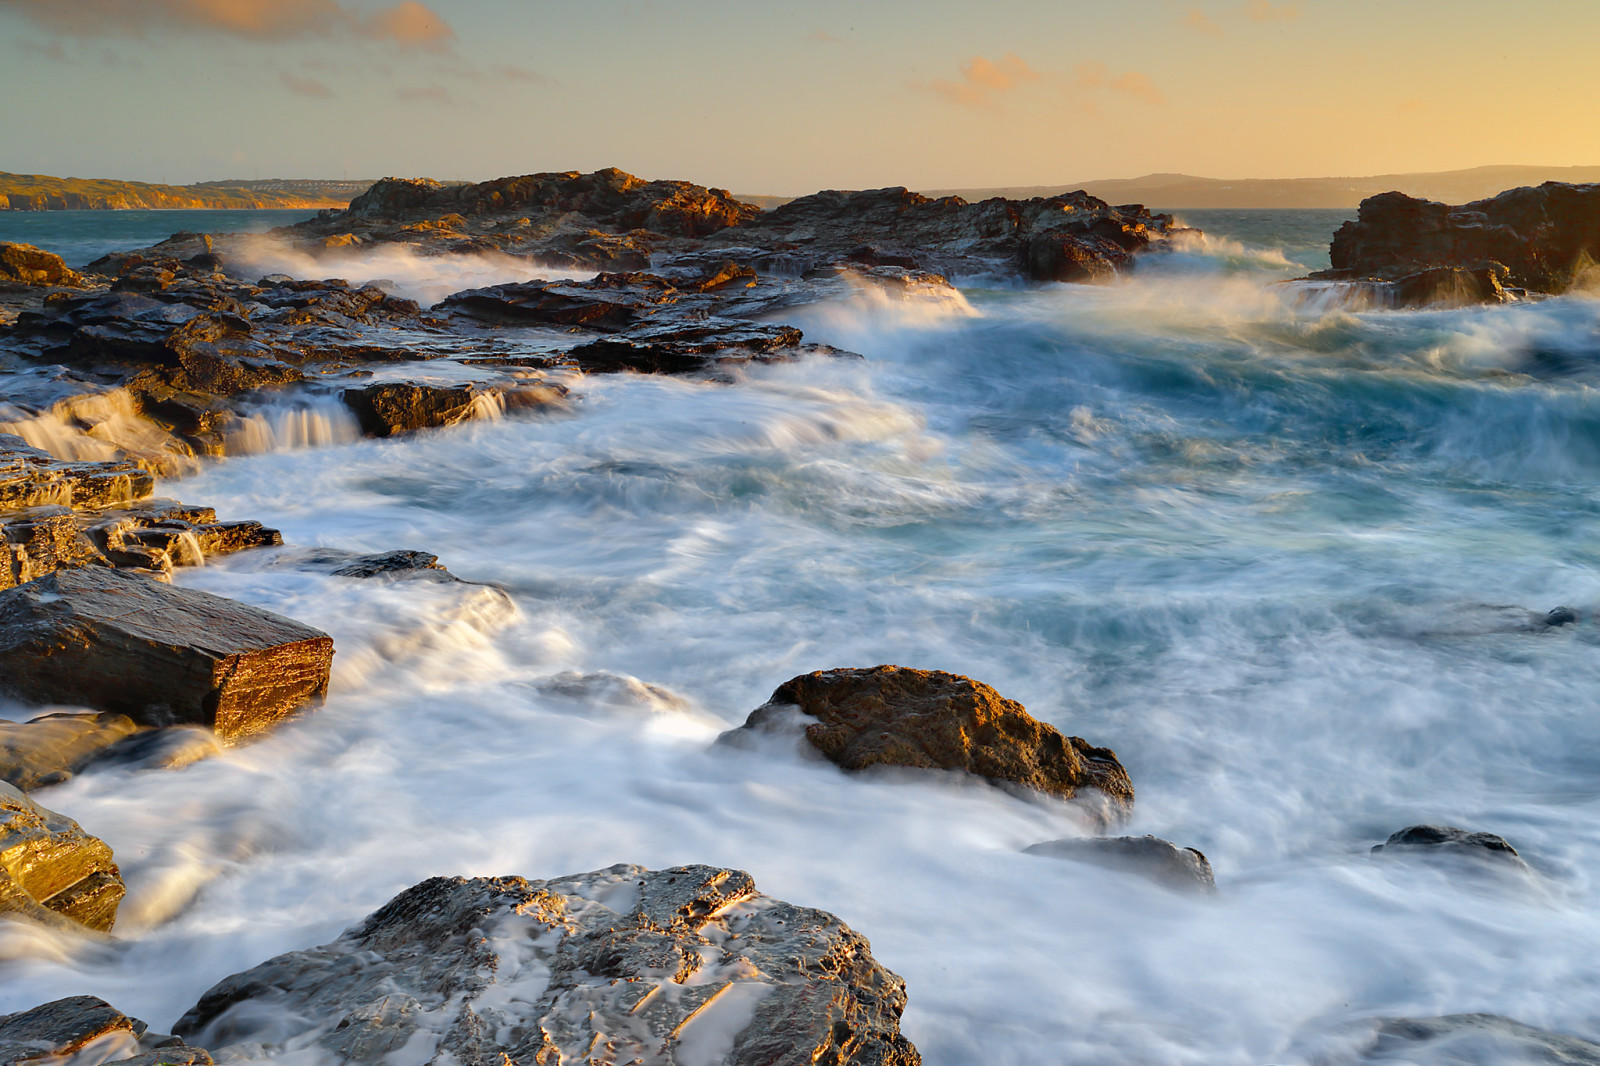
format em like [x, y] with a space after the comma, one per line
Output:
[39, 192]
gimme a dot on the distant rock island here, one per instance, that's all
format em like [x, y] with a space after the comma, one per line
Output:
[40, 192]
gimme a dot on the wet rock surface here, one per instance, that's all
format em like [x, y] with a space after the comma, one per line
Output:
[58, 1031]
[1161, 861]
[390, 408]
[51, 871]
[23, 264]
[1536, 239]
[1458, 1039]
[120, 642]
[685, 965]
[52, 748]
[1448, 840]
[893, 716]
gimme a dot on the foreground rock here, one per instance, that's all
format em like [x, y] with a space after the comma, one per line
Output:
[626, 965]
[1448, 840]
[893, 716]
[161, 655]
[23, 264]
[1529, 240]
[52, 748]
[51, 871]
[390, 408]
[1183, 869]
[1455, 1039]
[87, 1027]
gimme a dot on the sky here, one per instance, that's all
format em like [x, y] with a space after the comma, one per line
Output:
[787, 98]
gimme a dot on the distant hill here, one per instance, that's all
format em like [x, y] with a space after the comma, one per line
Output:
[1184, 190]
[38, 192]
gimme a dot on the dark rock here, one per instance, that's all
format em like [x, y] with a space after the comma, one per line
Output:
[161, 655]
[660, 966]
[1460, 1039]
[394, 562]
[51, 870]
[51, 748]
[391, 407]
[1561, 616]
[23, 264]
[1448, 840]
[893, 716]
[54, 1032]
[1184, 869]
[1452, 286]
[1542, 237]
[30, 477]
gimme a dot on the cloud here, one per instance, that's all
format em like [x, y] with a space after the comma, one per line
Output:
[51, 50]
[532, 77]
[981, 81]
[409, 24]
[307, 87]
[1266, 11]
[1196, 19]
[426, 94]
[1133, 83]
[822, 36]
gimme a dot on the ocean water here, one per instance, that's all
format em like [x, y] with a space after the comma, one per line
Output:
[81, 237]
[1267, 550]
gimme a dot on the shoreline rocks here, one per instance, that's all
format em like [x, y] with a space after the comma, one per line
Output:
[24, 264]
[928, 719]
[59, 1031]
[51, 871]
[1150, 857]
[653, 967]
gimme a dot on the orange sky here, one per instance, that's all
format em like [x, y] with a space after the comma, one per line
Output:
[787, 98]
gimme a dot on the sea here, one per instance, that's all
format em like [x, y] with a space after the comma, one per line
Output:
[1289, 557]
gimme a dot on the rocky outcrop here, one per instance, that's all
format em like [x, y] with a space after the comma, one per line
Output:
[51, 871]
[1535, 240]
[680, 966]
[30, 476]
[1462, 1038]
[85, 1028]
[1448, 840]
[119, 642]
[1161, 861]
[392, 407]
[893, 716]
[23, 264]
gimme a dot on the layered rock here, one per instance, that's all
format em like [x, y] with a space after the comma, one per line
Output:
[23, 264]
[161, 655]
[893, 716]
[51, 871]
[392, 407]
[1161, 861]
[86, 1028]
[1537, 239]
[686, 965]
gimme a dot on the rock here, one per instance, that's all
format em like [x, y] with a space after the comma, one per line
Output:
[893, 716]
[51, 748]
[31, 477]
[51, 870]
[1455, 1039]
[55, 1032]
[1560, 616]
[393, 562]
[23, 264]
[1538, 238]
[1448, 840]
[161, 655]
[388, 408]
[1184, 869]
[684, 965]
[1452, 286]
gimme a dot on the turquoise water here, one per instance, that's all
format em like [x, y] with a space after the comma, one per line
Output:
[1263, 549]
[80, 237]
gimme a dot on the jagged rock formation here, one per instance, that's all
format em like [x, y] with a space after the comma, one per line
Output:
[161, 655]
[23, 264]
[1530, 240]
[51, 871]
[1183, 869]
[87, 1028]
[682, 966]
[893, 716]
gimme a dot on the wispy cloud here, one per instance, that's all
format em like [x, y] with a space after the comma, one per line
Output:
[425, 94]
[822, 36]
[52, 50]
[1196, 19]
[408, 24]
[1130, 83]
[982, 81]
[531, 77]
[1266, 11]
[306, 87]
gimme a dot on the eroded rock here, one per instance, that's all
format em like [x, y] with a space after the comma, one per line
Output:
[23, 264]
[684, 965]
[52, 871]
[893, 716]
[120, 642]
[388, 408]
[1161, 861]
[88, 1029]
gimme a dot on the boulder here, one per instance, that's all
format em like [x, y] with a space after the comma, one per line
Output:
[120, 642]
[400, 562]
[23, 264]
[392, 407]
[56, 1032]
[52, 748]
[1448, 840]
[686, 965]
[51, 870]
[1161, 861]
[31, 477]
[893, 716]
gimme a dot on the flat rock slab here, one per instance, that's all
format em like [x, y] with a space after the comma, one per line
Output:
[52, 748]
[894, 716]
[119, 642]
[674, 967]
[1161, 861]
[88, 1029]
[50, 869]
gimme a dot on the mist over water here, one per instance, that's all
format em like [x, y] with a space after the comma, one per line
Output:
[1263, 552]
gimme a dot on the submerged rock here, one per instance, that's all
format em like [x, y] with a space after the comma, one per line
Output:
[161, 655]
[1448, 840]
[50, 749]
[1184, 869]
[893, 716]
[23, 264]
[86, 1026]
[1460, 1039]
[402, 561]
[51, 870]
[686, 965]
